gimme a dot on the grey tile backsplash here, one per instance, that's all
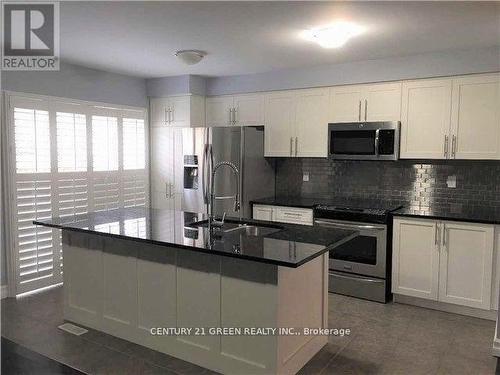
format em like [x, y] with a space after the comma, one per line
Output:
[412, 183]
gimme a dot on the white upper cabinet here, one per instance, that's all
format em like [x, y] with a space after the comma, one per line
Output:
[451, 118]
[382, 102]
[248, 109]
[311, 123]
[178, 111]
[239, 110]
[377, 102]
[219, 110]
[346, 104]
[466, 264]
[279, 123]
[425, 119]
[476, 117]
[296, 123]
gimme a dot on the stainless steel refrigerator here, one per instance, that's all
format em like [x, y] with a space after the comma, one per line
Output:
[203, 148]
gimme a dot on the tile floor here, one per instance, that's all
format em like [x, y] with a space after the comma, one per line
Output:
[384, 339]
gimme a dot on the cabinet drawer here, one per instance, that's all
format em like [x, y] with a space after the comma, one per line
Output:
[294, 215]
[261, 212]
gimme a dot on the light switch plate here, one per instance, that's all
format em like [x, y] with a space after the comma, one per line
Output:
[451, 181]
[305, 176]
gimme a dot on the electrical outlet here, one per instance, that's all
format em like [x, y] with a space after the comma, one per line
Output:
[451, 181]
[305, 176]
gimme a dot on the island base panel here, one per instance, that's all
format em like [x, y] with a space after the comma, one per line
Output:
[126, 288]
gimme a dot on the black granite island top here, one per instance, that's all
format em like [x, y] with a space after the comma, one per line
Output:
[454, 212]
[289, 246]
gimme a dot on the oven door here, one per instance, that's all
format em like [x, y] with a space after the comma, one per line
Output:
[365, 254]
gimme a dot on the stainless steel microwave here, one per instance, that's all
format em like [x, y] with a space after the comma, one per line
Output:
[364, 140]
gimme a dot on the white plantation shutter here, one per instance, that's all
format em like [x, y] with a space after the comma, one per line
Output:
[68, 158]
[32, 139]
[134, 144]
[105, 143]
[71, 142]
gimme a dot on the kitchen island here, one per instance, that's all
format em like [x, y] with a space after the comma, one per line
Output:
[162, 279]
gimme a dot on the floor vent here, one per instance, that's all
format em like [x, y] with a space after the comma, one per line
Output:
[71, 328]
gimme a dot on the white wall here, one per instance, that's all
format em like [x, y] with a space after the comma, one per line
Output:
[77, 82]
[390, 69]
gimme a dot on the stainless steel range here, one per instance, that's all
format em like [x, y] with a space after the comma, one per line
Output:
[360, 267]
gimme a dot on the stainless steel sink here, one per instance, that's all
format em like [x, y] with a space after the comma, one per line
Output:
[241, 228]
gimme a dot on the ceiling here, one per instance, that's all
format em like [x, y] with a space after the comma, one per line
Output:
[140, 38]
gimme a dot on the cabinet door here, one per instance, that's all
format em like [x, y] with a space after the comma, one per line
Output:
[180, 107]
[249, 109]
[415, 258]
[382, 102]
[346, 104]
[466, 264]
[476, 117]
[311, 124]
[425, 119]
[162, 158]
[279, 123]
[158, 111]
[218, 110]
[263, 212]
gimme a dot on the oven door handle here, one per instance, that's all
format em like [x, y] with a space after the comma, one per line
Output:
[349, 226]
[357, 278]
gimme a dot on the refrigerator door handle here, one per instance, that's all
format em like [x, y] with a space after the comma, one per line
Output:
[204, 174]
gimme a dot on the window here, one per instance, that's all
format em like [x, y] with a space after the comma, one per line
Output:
[105, 143]
[134, 144]
[69, 158]
[71, 142]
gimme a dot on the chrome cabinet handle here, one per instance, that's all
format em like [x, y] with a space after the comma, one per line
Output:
[377, 140]
[166, 116]
[366, 108]
[171, 115]
[296, 141]
[291, 145]
[453, 146]
[437, 234]
[446, 145]
[230, 116]
[359, 111]
[444, 236]
[234, 116]
[349, 226]
[166, 190]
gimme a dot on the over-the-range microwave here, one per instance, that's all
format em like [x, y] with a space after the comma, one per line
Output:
[364, 140]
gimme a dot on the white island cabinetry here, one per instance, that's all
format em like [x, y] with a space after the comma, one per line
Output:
[131, 289]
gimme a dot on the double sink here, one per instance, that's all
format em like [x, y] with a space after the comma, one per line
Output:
[240, 228]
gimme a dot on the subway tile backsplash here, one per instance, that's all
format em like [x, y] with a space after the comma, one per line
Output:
[412, 183]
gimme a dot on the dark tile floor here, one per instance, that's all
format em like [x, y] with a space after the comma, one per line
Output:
[384, 339]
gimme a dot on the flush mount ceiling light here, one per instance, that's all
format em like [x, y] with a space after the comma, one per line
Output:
[190, 56]
[333, 36]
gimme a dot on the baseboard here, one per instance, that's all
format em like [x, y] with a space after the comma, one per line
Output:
[4, 291]
[446, 307]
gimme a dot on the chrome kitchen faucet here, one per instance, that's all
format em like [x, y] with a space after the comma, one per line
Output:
[213, 197]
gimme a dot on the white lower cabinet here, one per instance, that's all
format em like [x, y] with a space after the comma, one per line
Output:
[291, 215]
[444, 261]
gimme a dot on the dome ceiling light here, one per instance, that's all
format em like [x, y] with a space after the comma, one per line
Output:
[190, 56]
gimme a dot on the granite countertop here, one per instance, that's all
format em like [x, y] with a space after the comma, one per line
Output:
[291, 201]
[290, 246]
[455, 212]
